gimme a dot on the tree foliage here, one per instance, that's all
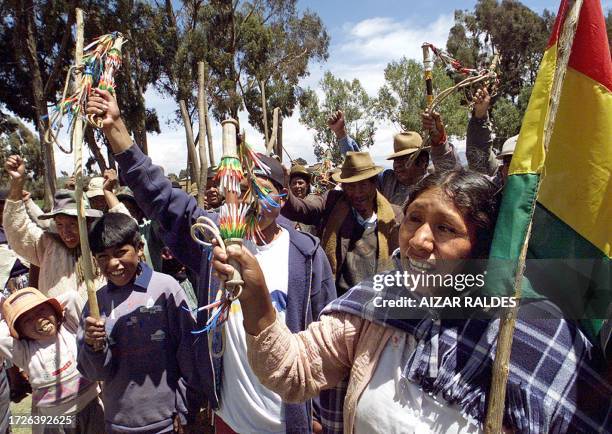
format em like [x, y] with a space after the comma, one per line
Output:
[508, 28]
[258, 41]
[519, 35]
[402, 98]
[54, 46]
[338, 94]
[16, 138]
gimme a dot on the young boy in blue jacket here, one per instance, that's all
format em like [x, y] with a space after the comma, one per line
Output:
[141, 347]
[295, 267]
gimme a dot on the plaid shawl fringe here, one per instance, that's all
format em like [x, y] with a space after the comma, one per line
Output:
[554, 383]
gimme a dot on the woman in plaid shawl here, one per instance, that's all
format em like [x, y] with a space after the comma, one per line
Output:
[385, 368]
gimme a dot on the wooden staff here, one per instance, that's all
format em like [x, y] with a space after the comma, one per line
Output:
[499, 378]
[77, 139]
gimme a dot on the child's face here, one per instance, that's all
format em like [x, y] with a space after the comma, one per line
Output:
[39, 323]
[119, 263]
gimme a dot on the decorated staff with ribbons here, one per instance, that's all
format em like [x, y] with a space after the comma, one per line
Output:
[295, 268]
[63, 257]
[95, 67]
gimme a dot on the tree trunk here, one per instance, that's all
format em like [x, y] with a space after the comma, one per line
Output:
[279, 138]
[264, 109]
[202, 140]
[209, 139]
[271, 145]
[25, 13]
[191, 151]
[90, 138]
[138, 123]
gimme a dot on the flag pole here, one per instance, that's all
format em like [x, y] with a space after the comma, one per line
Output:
[499, 378]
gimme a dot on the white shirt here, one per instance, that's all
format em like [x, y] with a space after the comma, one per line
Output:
[391, 404]
[246, 405]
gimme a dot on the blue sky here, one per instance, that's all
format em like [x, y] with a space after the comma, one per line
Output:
[365, 36]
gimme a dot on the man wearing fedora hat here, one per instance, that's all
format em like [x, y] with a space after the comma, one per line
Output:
[299, 184]
[358, 226]
[410, 158]
[299, 181]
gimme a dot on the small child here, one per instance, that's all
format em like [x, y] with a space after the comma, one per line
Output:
[39, 335]
[141, 346]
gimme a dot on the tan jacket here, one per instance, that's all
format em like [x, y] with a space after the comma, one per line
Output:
[298, 366]
[57, 263]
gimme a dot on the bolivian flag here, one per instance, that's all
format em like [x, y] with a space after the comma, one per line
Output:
[570, 245]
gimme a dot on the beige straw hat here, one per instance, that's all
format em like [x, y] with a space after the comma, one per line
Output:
[24, 300]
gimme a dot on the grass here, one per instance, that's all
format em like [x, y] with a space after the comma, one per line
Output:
[22, 408]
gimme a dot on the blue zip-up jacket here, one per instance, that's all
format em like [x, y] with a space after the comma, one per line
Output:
[310, 288]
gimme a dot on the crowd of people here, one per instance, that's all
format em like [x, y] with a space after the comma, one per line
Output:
[303, 349]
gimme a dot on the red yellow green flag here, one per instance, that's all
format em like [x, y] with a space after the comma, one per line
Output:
[570, 246]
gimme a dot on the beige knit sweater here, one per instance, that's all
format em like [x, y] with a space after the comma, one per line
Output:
[57, 263]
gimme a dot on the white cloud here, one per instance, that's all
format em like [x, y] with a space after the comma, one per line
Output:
[372, 27]
[384, 39]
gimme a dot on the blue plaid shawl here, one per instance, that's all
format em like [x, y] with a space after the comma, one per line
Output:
[554, 383]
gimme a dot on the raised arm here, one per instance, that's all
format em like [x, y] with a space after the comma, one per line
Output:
[337, 124]
[308, 211]
[479, 140]
[23, 235]
[296, 366]
[443, 154]
[34, 211]
[172, 208]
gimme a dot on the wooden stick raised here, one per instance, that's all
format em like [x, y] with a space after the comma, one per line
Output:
[77, 139]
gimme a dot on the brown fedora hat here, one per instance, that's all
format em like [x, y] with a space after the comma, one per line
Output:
[299, 170]
[405, 143]
[357, 166]
[24, 300]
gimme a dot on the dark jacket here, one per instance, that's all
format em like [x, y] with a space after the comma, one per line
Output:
[317, 210]
[146, 318]
[310, 286]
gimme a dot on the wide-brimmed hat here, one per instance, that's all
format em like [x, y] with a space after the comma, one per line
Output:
[405, 143]
[65, 203]
[299, 170]
[95, 187]
[24, 300]
[212, 172]
[357, 166]
[508, 147]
